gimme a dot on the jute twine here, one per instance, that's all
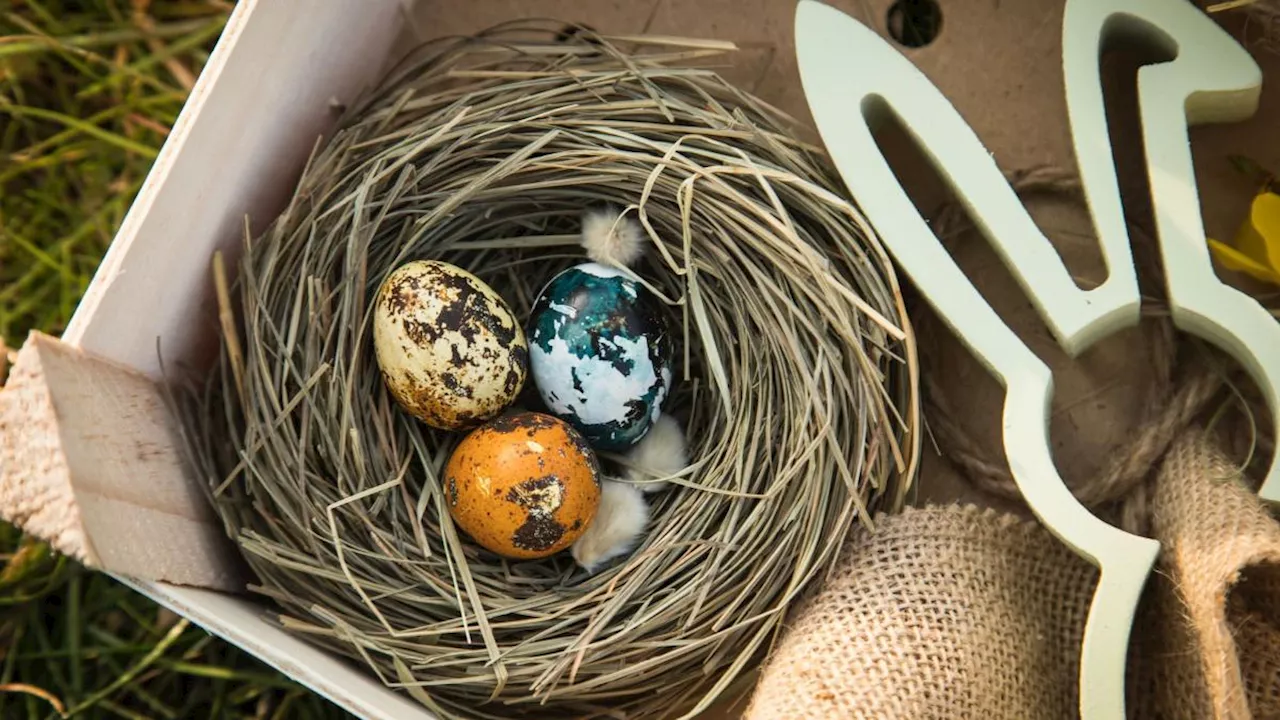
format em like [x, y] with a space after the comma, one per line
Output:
[1186, 377]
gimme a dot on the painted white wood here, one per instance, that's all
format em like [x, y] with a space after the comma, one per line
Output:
[850, 100]
[90, 460]
[271, 88]
[263, 100]
[352, 688]
[1211, 79]
[1215, 81]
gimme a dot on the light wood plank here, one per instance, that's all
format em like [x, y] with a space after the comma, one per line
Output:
[90, 462]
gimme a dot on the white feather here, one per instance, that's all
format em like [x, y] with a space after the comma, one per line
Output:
[612, 239]
[613, 532]
[661, 453]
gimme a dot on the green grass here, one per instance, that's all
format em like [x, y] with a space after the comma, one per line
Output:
[88, 89]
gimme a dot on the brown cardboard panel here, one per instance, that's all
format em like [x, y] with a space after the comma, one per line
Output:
[981, 59]
[762, 29]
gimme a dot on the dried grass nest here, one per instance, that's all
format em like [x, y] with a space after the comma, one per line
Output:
[796, 386]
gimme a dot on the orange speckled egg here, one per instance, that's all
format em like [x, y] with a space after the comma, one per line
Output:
[525, 485]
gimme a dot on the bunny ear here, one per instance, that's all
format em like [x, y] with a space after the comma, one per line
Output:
[1211, 79]
[848, 104]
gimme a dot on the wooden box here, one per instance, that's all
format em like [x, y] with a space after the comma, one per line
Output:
[277, 81]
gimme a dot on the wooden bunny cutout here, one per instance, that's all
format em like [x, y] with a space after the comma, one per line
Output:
[852, 79]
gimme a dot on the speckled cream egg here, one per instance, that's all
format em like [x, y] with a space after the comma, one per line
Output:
[449, 347]
[525, 485]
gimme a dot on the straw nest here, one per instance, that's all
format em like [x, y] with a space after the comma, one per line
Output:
[796, 384]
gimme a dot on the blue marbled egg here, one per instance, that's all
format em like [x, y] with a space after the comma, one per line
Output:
[600, 354]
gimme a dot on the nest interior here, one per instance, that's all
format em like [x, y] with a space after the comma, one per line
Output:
[794, 381]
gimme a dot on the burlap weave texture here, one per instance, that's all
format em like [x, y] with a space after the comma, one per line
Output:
[958, 612]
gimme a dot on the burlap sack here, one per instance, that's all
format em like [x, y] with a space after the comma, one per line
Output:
[956, 612]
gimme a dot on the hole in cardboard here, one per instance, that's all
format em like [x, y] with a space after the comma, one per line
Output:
[914, 23]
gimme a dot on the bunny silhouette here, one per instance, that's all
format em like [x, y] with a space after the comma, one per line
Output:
[1210, 79]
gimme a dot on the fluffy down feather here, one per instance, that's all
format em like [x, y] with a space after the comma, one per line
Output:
[662, 453]
[620, 518]
[611, 239]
